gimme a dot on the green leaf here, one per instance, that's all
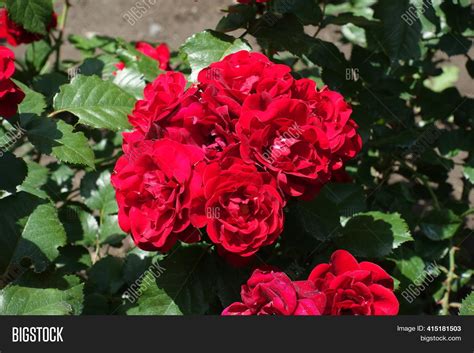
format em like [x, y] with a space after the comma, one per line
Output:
[57, 138]
[81, 226]
[374, 234]
[97, 103]
[409, 265]
[469, 173]
[238, 17]
[447, 79]
[19, 300]
[42, 236]
[131, 82]
[34, 102]
[37, 54]
[136, 264]
[185, 285]
[36, 179]
[440, 225]
[110, 231]
[49, 84]
[319, 219]
[467, 305]
[102, 66]
[73, 258]
[14, 210]
[204, 48]
[348, 198]
[137, 61]
[229, 281]
[33, 15]
[99, 193]
[400, 35]
[307, 11]
[90, 44]
[106, 276]
[14, 171]
[454, 44]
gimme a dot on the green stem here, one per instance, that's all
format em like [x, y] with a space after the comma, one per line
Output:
[449, 279]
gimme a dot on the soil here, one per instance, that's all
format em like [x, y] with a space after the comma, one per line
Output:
[170, 21]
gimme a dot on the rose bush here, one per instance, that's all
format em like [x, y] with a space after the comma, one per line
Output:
[326, 169]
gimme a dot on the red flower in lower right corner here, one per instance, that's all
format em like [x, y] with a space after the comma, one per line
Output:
[353, 288]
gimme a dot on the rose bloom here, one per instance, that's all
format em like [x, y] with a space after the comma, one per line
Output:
[353, 288]
[155, 183]
[273, 293]
[15, 34]
[238, 75]
[243, 209]
[282, 136]
[161, 98]
[10, 94]
[332, 115]
[170, 110]
[161, 53]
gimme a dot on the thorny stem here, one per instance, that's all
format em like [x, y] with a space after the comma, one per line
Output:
[449, 279]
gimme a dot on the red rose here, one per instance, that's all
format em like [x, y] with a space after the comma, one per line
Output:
[161, 98]
[15, 34]
[273, 293]
[243, 73]
[354, 288]
[161, 53]
[10, 94]
[168, 110]
[333, 116]
[243, 208]
[282, 136]
[10, 97]
[155, 183]
[7, 63]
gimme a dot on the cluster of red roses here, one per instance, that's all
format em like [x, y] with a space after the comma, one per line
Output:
[10, 94]
[342, 287]
[15, 34]
[227, 152]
